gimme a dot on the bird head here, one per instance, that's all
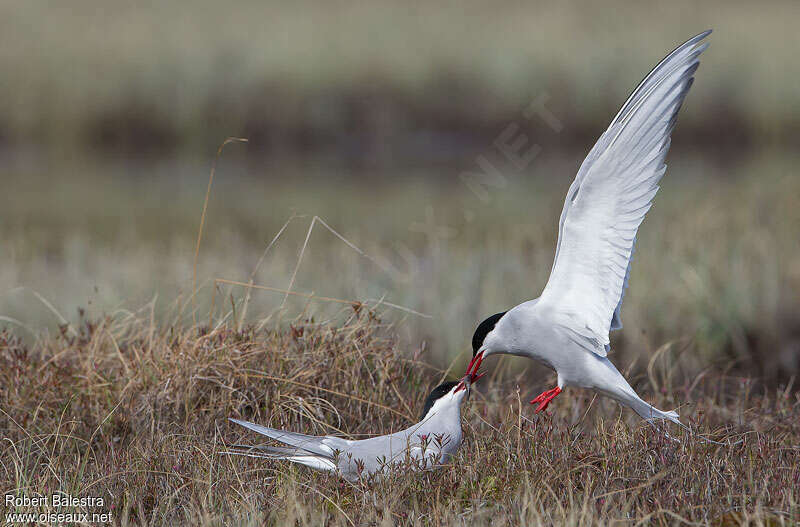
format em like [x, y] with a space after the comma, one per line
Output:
[480, 349]
[450, 393]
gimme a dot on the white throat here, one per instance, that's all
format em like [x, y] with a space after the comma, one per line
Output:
[449, 404]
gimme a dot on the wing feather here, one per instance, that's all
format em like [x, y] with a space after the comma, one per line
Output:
[320, 445]
[609, 198]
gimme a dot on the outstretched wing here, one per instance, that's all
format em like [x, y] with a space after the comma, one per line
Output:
[609, 198]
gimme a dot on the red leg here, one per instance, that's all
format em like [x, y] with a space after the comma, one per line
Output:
[544, 398]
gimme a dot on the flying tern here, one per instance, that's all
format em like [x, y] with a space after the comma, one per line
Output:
[567, 327]
[427, 444]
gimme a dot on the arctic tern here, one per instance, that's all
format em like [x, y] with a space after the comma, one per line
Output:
[567, 327]
[427, 444]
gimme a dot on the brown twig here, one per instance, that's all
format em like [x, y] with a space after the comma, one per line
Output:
[203, 219]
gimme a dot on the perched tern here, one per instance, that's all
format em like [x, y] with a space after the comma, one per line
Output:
[427, 444]
[567, 327]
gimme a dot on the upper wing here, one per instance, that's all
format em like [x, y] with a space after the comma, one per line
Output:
[611, 194]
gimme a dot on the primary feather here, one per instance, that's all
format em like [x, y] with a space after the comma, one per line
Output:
[609, 198]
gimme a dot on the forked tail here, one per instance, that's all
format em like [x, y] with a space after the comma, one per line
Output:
[613, 384]
[650, 413]
[646, 411]
[625, 395]
[294, 455]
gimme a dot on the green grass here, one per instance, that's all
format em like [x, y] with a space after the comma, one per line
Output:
[135, 411]
[715, 267]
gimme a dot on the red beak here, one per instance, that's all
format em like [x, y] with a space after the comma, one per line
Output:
[472, 372]
[475, 363]
[471, 362]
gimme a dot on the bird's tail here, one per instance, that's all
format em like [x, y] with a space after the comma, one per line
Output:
[261, 451]
[295, 455]
[649, 412]
[303, 449]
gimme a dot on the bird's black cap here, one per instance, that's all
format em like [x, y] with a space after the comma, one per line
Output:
[483, 329]
[440, 391]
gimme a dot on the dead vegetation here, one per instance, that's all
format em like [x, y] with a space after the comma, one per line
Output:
[135, 412]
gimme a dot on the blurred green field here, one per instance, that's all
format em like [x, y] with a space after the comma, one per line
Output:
[366, 116]
[293, 76]
[717, 266]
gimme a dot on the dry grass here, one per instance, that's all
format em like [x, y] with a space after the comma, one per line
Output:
[135, 410]
[721, 241]
[132, 406]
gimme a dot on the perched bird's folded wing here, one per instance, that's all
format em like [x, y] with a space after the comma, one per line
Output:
[609, 198]
[265, 451]
[323, 446]
[295, 455]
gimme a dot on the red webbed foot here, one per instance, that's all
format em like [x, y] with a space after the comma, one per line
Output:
[544, 398]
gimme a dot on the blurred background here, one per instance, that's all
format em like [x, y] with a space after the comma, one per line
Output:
[376, 118]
